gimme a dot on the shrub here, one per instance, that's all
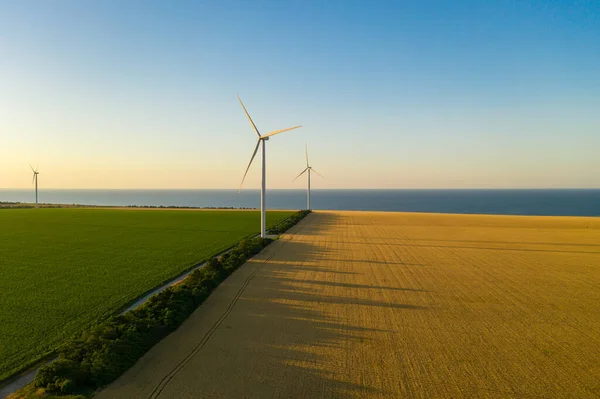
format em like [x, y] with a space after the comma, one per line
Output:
[289, 222]
[59, 376]
[103, 352]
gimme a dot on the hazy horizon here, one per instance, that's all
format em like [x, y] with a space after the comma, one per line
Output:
[303, 189]
[547, 202]
[392, 95]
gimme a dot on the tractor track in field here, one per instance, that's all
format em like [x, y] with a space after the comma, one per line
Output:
[357, 305]
[166, 379]
[22, 379]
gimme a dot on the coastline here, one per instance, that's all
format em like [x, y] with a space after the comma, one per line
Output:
[547, 202]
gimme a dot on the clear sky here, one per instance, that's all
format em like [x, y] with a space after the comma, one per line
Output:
[398, 94]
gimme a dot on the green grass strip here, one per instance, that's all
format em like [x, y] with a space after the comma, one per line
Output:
[102, 353]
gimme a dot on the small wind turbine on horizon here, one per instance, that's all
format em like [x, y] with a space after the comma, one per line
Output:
[308, 169]
[261, 139]
[35, 180]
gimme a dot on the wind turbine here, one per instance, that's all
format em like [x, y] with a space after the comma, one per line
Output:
[261, 140]
[308, 169]
[35, 179]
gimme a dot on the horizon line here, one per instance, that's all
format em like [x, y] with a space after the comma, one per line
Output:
[312, 189]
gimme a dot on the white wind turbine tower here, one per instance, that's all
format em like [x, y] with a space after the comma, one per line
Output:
[261, 139]
[35, 179]
[308, 169]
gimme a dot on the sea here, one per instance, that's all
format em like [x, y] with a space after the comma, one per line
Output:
[551, 202]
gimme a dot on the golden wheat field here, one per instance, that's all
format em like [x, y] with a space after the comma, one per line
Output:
[389, 305]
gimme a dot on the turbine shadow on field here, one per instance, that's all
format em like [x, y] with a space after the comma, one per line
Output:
[283, 280]
[320, 270]
[301, 294]
[322, 228]
[295, 322]
[376, 262]
[474, 247]
[294, 347]
[560, 244]
[294, 325]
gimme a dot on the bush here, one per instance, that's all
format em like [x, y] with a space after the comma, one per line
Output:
[59, 376]
[289, 222]
[102, 353]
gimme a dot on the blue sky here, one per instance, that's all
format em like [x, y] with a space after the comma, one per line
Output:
[421, 94]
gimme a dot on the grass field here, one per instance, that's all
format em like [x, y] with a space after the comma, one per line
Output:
[61, 269]
[392, 305]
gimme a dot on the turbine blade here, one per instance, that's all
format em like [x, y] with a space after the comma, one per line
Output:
[33, 170]
[33, 179]
[317, 173]
[249, 163]
[280, 131]
[306, 148]
[248, 115]
[301, 173]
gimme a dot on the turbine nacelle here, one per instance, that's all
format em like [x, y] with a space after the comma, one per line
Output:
[35, 180]
[35, 173]
[261, 139]
[307, 169]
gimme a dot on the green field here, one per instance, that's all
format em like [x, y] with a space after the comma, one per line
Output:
[62, 269]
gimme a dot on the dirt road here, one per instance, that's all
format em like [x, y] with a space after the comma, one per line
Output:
[382, 305]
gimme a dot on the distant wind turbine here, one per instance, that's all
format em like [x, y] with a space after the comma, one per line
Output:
[35, 179]
[261, 139]
[308, 169]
